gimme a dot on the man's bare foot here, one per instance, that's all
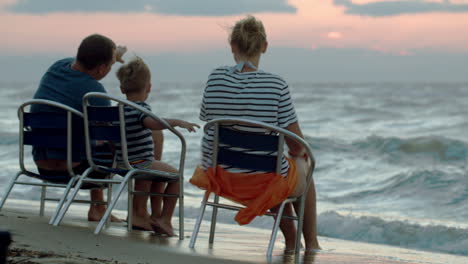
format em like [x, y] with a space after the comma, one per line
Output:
[114, 218]
[162, 227]
[96, 214]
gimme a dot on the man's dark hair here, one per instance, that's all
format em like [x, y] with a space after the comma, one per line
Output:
[95, 50]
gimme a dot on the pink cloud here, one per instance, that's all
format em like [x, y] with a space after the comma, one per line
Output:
[151, 33]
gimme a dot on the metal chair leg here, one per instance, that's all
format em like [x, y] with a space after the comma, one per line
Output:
[181, 210]
[8, 189]
[130, 191]
[109, 199]
[213, 219]
[73, 195]
[62, 200]
[274, 232]
[112, 204]
[196, 228]
[43, 196]
[300, 223]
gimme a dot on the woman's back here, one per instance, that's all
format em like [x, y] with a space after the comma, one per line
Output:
[256, 95]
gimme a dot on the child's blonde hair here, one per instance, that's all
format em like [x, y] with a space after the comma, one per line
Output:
[133, 76]
[248, 35]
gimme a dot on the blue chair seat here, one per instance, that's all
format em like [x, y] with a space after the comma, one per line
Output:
[143, 174]
[64, 179]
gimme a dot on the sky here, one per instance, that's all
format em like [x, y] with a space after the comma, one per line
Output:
[309, 40]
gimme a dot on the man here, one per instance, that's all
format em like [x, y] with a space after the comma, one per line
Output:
[66, 82]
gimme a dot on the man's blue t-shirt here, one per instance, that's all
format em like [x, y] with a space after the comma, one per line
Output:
[64, 85]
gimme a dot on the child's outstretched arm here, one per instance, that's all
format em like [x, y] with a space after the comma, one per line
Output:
[155, 125]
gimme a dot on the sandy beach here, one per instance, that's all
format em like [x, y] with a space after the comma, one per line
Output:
[34, 241]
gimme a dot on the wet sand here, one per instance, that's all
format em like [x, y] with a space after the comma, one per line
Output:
[35, 241]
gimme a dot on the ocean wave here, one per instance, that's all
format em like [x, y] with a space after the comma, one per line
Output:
[372, 229]
[7, 138]
[426, 193]
[395, 148]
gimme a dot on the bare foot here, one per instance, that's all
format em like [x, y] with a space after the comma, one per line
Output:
[96, 214]
[162, 227]
[114, 219]
[141, 223]
[312, 251]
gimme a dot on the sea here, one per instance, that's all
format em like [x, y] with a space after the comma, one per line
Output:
[392, 158]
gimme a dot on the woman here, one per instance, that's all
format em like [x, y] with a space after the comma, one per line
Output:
[244, 91]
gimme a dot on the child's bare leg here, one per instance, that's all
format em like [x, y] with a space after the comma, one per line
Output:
[162, 223]
[141, 217]
[309, 228]
[170, 202]
[157, 187]
[156, 200]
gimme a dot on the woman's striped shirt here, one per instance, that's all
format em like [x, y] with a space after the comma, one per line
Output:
[139, 138]
[258, 96]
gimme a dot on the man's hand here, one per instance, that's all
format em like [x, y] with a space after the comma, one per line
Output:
[119, 52]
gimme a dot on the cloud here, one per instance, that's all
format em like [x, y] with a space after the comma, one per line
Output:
[394, 8]
[168, 7]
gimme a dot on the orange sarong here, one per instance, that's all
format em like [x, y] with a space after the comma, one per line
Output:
[258, 192]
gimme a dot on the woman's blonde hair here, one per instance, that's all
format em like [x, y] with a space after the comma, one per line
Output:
[248, 35]
[133, 76]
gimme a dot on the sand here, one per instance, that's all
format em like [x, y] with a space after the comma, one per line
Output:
[35, 241]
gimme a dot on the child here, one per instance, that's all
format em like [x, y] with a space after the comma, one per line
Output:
[135, 83]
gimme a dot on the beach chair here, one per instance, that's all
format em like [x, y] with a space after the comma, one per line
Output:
[224, 140]
[108, 124]
[61, 130]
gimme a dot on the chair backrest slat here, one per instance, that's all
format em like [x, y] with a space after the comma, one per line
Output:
[248, 140]
[247, 161]
[104, 123]
[107, 133]
[103, 113]
[232, 145]
[45, 138]
[52, 120]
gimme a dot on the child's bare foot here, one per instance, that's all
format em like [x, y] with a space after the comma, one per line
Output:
[141, 223]
[162, 227]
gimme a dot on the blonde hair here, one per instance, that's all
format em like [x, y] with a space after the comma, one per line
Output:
[133, 76]
[248, 35]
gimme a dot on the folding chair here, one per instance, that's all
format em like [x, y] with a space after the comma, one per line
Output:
[61, 130]
[225, 139]
[108, 124]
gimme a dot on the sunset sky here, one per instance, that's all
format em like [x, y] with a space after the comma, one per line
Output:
[309, 40]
